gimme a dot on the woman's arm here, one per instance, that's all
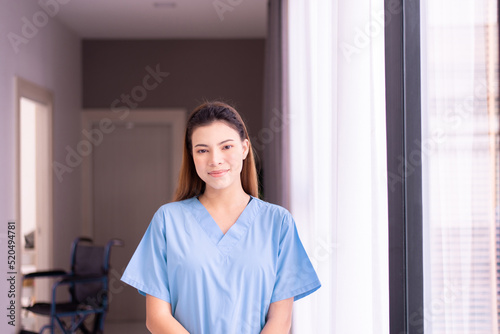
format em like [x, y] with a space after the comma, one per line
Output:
[159, 319]
[279, 317]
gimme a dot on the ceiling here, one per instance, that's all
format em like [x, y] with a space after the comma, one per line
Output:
[148, 19]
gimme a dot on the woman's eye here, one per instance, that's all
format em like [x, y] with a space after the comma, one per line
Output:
[227, 147]
[201, 151]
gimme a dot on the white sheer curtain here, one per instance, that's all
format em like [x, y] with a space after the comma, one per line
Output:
[461, 166]
[338, 186]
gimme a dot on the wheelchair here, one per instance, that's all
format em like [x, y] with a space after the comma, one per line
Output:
[88, 285]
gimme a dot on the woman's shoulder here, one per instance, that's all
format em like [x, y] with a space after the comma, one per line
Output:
[274, 210]
[177, 206]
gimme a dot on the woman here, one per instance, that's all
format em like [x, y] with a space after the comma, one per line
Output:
[218, 260]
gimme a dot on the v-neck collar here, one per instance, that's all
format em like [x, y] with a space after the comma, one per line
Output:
[224, 241]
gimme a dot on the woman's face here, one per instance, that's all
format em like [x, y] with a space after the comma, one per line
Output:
[218, 154]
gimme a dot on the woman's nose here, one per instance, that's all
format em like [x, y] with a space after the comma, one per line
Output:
[215, 158]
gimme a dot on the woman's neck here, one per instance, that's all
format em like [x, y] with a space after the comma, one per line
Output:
[224, 197]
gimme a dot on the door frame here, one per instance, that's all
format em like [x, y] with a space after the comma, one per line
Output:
[29, 90]
[44, 259]
[175, 117]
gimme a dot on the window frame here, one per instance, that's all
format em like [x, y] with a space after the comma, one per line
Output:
[404, 165]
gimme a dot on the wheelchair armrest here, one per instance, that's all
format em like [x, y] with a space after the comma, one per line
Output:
[49, 273]
[80, 279]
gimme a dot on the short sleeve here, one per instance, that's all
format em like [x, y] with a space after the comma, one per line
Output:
[147, 269]
[295, 276]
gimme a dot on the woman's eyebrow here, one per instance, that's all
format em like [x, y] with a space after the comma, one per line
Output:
[222, 142]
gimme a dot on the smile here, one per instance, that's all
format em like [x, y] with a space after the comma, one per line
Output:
[218, 173]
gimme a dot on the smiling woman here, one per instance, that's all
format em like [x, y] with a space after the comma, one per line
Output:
[214, 122]
[218, 259]
[219, 163]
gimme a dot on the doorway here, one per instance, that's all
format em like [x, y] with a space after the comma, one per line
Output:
[128, 174]
[34, 149]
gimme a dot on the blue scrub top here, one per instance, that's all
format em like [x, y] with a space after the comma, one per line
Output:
[221, 283]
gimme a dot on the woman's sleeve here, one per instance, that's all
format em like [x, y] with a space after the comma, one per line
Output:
[295, 275]
[147, 269]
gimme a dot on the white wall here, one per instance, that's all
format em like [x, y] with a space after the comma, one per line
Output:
[51, 59]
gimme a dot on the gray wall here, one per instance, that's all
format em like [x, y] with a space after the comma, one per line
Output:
[231, 70]
[50, 58]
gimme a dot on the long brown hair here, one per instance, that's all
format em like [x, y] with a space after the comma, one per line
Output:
[190, 184]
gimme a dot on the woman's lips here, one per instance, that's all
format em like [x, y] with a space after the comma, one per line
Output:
[218, 173]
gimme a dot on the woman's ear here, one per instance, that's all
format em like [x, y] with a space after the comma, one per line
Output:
[246, 148]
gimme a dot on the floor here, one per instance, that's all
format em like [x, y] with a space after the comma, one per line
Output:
[109, 328]
[125, 328]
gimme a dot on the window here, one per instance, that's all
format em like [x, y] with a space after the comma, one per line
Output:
[460, 170]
